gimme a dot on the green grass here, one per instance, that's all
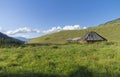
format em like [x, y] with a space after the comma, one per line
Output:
[72, 60]
[110, 30]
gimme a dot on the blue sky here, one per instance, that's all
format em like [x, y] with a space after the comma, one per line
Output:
[33, 18]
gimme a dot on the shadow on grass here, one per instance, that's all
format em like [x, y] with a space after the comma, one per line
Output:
[30, 75]
[84, 72]
[80, 72]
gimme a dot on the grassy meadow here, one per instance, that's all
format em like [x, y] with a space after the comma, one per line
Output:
[70, 60]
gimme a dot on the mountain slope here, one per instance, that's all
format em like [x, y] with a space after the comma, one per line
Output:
[109, 30]
[8, 41]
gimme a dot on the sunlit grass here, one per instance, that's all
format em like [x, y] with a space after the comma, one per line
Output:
[72, 60]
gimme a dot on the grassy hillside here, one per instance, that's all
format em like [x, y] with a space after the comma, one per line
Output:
[109, 30]
[73, 60]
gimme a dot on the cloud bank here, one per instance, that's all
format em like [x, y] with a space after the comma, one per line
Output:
[57, 29]
[22, 30]
[26, 30]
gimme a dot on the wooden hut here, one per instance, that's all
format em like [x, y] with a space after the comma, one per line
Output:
[92, 37]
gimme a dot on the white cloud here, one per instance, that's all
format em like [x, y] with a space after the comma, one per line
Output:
[25, 31]
[22, 30]
[84, 27]
[74, 27]
[57, 29]
[52, 30]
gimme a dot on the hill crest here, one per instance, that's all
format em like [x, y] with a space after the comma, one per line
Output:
[110, 30]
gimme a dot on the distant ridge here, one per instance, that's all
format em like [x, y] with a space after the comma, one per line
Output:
[112, 21]
[110, 30]
[23, 39]
[3, 35]
[8, 41]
